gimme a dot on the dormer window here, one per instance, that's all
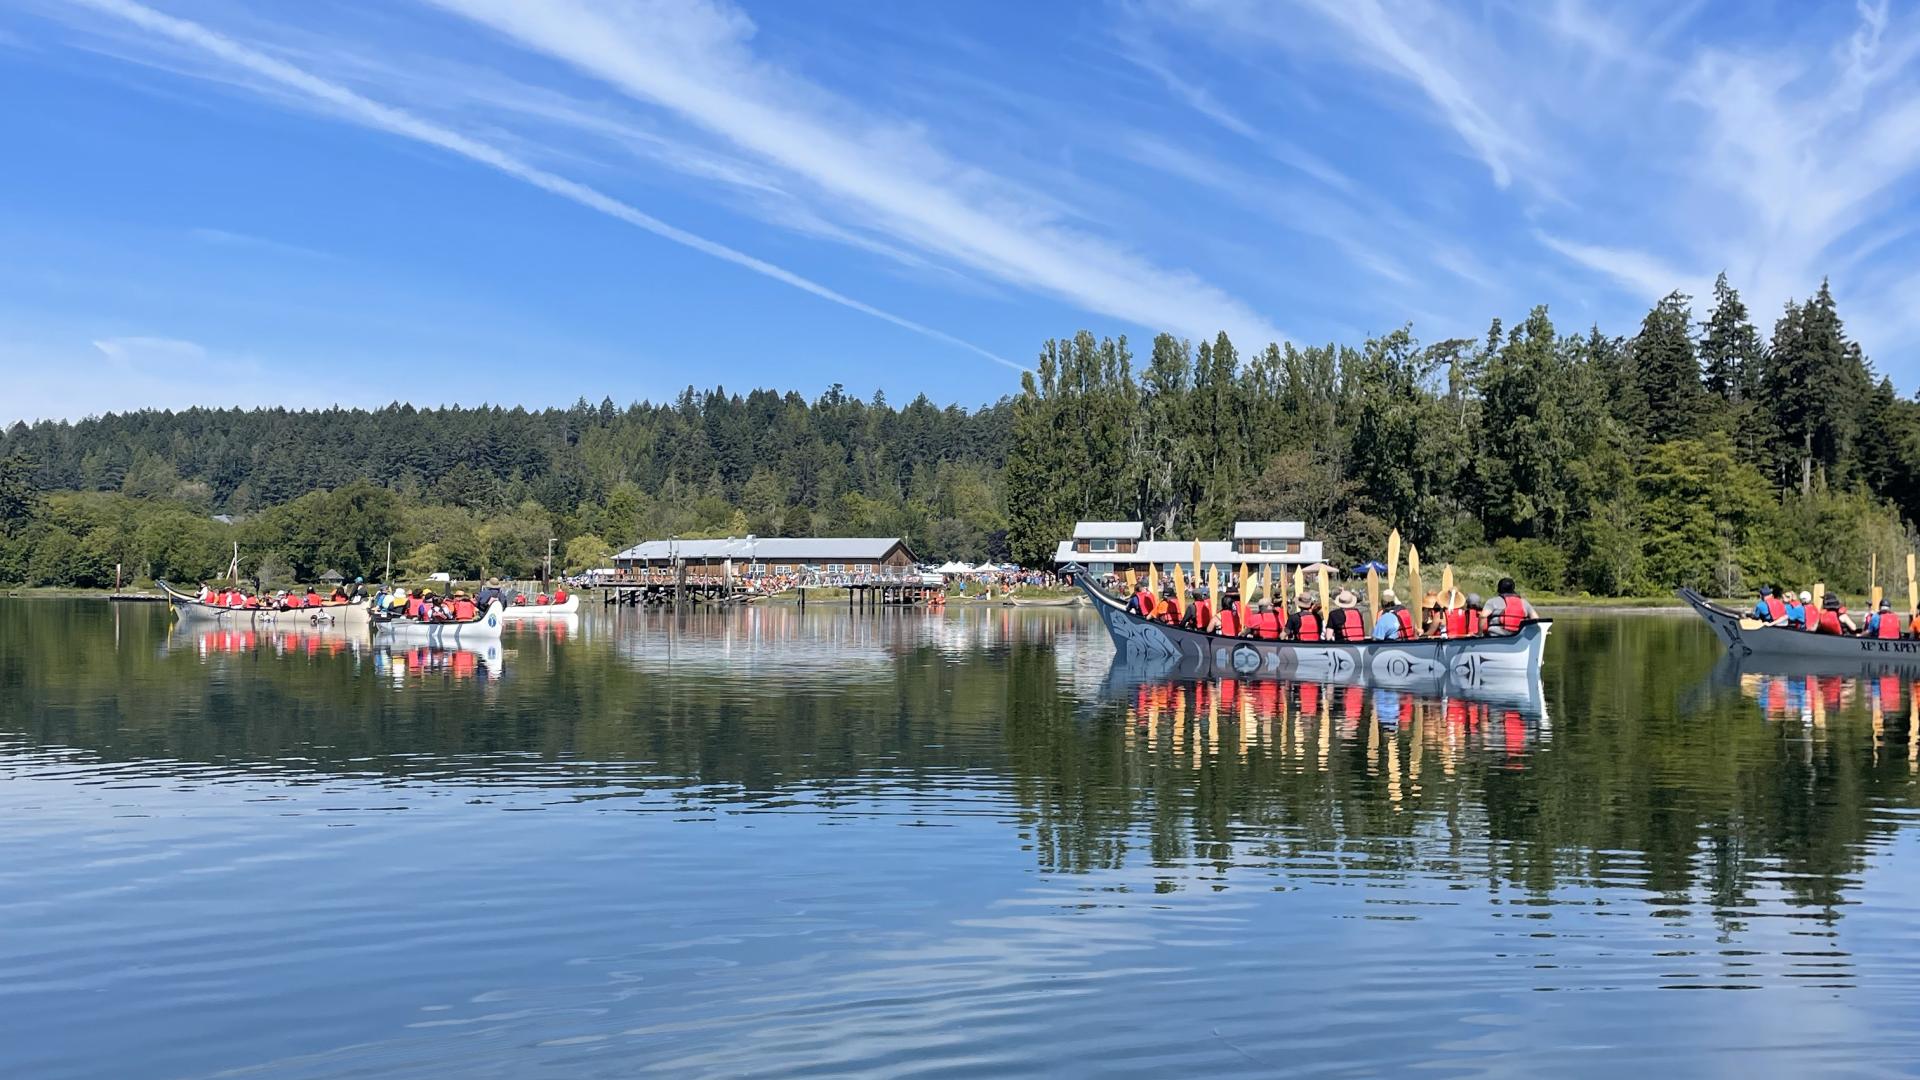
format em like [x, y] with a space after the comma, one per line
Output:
[1103, 545]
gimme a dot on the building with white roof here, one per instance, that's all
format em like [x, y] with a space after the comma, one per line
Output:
[771, 555]
[1104, 547]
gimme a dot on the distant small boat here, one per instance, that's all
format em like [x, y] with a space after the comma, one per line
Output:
[1746, 636]
[479, 630]
[537, 611]
[1431, 664]
[193, 609]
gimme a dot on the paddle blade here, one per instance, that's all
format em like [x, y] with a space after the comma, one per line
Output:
[1393, 557]
[1213, 585]
[1246, 584]
[1373, 595]
[1153, 579]
[1326, 594]
[1913, 594]
[1133, 584]
[1266, 581]
[1447, 599]
[1179, 586]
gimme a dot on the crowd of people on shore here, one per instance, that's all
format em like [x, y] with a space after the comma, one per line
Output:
[1440, 615]
[1784, 608]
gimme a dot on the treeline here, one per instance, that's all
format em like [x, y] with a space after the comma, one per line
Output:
[480, 491]
[1691, 453]
[1694, 452]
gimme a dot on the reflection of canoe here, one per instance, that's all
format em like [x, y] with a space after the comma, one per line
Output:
[1779, 642]
[1522, 698]
[479, 631]
[1437, 665]
[541, 611]
[193, 609]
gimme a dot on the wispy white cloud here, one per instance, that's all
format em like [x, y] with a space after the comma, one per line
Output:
[226, 238]
[366, 111]
[694, 59]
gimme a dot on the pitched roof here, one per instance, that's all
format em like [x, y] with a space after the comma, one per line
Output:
[1269, 530]
[1107, 530]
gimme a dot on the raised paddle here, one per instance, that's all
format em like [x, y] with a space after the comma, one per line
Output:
[1133, 585]
[1246, 585]
[1213, 588]
[1266, 582]
[1913, 594]
[1180, 588]
[1153, 580]
[1196, 564]
[1373, 596]
[1393, 557]
[1326, 594]
[1413, 575]
[1446, 587]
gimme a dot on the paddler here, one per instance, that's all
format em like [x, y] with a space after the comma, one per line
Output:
[1141, 602]
[1770, 609]
[313, 596]
[1199, 614]
[1231, 621]
[490, 593]
[463, 610]
[1264, 623]
[1884, 624]
[1345, 623]
[1797, 609]
[1508, 611]
[1395, 622]
[1305, 623]
[1168, 609]
[1833, 617]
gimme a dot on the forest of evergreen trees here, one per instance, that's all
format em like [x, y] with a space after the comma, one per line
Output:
[1695, 451]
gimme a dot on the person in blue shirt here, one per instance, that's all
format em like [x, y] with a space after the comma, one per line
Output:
[1769, 609]
[1884, 623]
[1797, 610]
[1395, 622]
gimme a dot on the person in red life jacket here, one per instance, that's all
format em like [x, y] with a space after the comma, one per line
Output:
[520, 599]
[339, 595]
[1770, 609]
[1345, 622]
[1832, 618]
[1395, 622]
[1231, 621]
[560, 595]
[1141, 603]
[1199, 614]
[463, 609]
[253, 600]
[540, 599]
[313, 596]
[1305, 624]
[1508, 611]
[416, 607]
[1168, 609]
[1265, 623]
[1433, 624]
[1884, 624]
[1476, 615]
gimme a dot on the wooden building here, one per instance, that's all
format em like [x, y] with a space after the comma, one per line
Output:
[1104, 547]
[771, 555]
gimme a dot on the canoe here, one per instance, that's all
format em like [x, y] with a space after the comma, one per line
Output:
[477, 632]
[1427, 665]
[538, 611]
[192, 609]
[1735, 630]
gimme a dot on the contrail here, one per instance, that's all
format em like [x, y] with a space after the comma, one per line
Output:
[403, 123]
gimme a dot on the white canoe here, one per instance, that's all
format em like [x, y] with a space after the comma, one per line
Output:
[539, 611]
[1426, 664]
[194, 610]
[485, 628]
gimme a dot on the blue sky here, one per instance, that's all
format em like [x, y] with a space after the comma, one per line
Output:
[213, 202]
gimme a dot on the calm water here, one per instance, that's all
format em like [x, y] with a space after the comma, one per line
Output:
[774, 843]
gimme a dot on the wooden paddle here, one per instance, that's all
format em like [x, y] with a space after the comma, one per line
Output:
[1246, 585]
[1873, 581]
[1913, 594]
[1413, 575]
[1393, 557]
[1446, 587]
[1133, 585]
[1153, 580]
[1196, 564]
[1213, 588]
[1180, 588]
[1266, 581]
[1326, 594]
[1373, 596]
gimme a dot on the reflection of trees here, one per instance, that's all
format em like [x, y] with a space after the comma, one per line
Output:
[1642, 778]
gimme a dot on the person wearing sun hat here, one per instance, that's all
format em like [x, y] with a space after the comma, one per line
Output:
[1345, 622]
[1305, 625]
[1395, 622]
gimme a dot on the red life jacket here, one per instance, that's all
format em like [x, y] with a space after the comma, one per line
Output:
[1309, 627]
[560, 596]
[1146, 604]
[541, 599]
[1266, 625]
[413, 607]
[463, 610]
[1457, 622]
[1348, 625]
[1513, 613]
[1889, 625]
[1829, 621]
[1169, 611]
[1776, 608]
[1406, 623]
[1229, 622]
[1202, 614]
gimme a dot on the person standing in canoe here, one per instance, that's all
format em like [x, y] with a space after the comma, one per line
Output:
[1508, 611]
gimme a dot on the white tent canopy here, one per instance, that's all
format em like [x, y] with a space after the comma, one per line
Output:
[953, 568]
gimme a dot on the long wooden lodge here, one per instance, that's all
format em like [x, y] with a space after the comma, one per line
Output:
[1104, 547]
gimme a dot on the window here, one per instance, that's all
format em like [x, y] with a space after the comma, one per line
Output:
[1103, 545]
[1290, 547]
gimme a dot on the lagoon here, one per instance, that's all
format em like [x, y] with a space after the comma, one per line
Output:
[780, 842]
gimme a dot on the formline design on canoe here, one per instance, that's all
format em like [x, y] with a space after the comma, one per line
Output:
[1745, 636]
